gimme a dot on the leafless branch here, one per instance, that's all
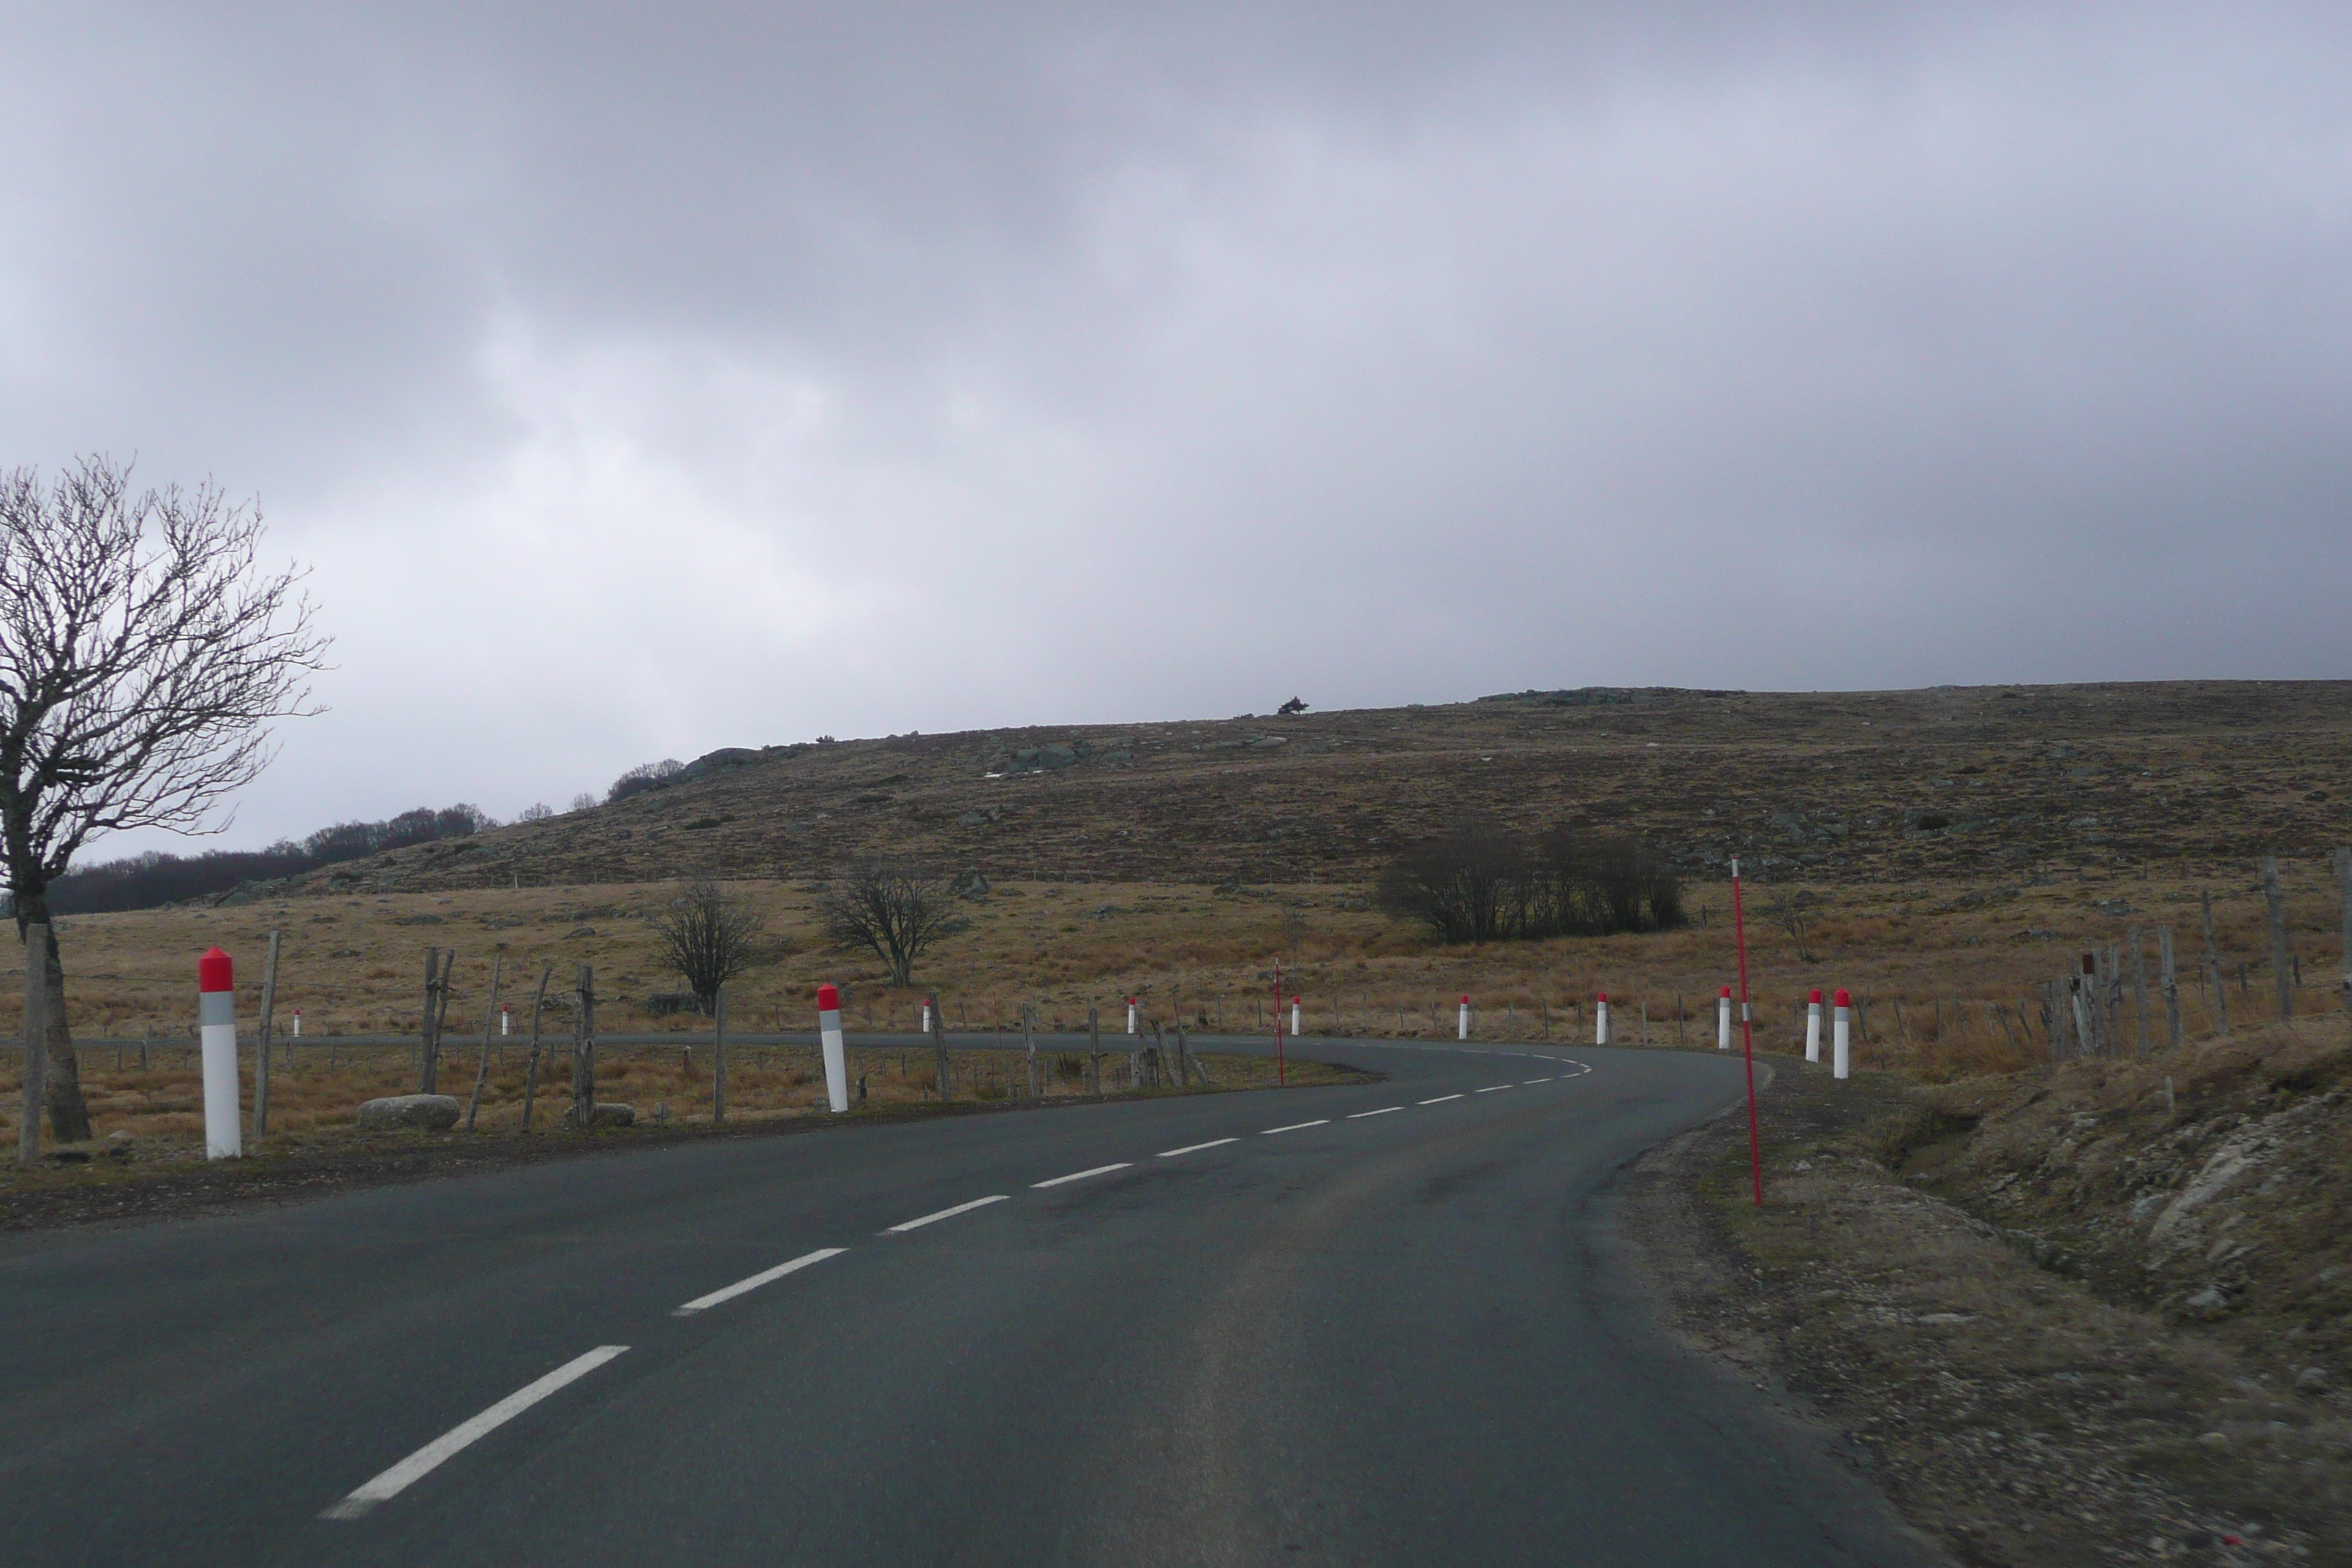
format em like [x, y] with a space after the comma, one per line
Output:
[894, 910]
[710, 937]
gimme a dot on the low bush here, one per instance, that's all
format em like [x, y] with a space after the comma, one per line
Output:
[1482, 884]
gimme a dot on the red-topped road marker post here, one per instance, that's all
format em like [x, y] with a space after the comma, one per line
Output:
[1813, 1027]
[1601, 1019]
[1841, 1036]
[836, 1060]
[1462, 1033]
[217, 1022]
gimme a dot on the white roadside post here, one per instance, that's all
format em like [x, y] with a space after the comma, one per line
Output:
[836, 1061]
[1813, 1028]
[1841, 1036]
[1466, 1019]
[926, 1017]
[1130, 1014]
[1600, 1020]
[1723, 1020]
[1294, 1017]
[297, 1022]
[217, 1019]
[505, 1021]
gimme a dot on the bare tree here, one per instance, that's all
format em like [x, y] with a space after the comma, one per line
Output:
[143, 654]
[892, 908]
[710, 936]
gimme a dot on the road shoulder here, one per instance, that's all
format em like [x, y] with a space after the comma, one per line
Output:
[2008, 1411]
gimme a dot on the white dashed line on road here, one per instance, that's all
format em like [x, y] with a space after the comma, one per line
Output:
[1492, 1088]
[1296, 1127]
[1195, 1148]
[947, 1214]
[423, 1462]
[1534, 1080]
[704, 1303]
[1384, 1110]
[1440, 1100]
[1081, 1175]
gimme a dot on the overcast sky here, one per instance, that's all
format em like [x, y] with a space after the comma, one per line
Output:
[641, 380]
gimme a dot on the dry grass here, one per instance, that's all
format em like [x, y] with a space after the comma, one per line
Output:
[161, 1107]
[1931, 965]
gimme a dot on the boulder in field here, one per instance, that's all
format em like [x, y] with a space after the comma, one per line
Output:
[428, 1112]
[612, 1114]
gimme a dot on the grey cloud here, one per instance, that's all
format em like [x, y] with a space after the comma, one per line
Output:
[1397, 353]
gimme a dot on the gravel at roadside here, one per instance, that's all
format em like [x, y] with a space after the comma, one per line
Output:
[2003, 1407]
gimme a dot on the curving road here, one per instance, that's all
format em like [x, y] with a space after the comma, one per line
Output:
[1371, 1324]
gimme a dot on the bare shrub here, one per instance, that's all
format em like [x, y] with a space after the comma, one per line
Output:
[710, 937]
[1791, 908]
[894, 909]
[642, 777]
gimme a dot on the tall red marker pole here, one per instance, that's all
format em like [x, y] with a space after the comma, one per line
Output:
[1748, 1036]
[1281, 1073]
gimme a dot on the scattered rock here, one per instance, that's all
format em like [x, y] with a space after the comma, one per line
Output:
[2209, 1303]
[416, 919]
[612, 1114]
[431, 1112]
[971, 884]
[2314, 1380]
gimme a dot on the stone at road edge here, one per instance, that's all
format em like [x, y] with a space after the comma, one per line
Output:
[432, 1112]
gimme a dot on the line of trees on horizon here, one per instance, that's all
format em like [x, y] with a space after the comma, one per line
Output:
[154, 879]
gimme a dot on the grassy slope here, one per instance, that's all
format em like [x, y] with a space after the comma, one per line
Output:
[1826, 786]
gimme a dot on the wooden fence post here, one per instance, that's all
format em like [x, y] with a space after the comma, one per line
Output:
[2274, 897]
[2171, 980]
[584, 1047]
[718, 1058]
[939, 1049]
[425, 1021]
[2139, 990]
[530, 1075]
[261, 1054]
[1029, 1041]
[1094, 1053]
[2221, 988]
[482, 1068]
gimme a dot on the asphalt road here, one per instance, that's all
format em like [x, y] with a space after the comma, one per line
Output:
[1371, 1324]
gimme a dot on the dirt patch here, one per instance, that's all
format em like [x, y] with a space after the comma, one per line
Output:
[2003, 1401]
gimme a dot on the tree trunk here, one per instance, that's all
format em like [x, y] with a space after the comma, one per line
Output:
[61, 1079]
